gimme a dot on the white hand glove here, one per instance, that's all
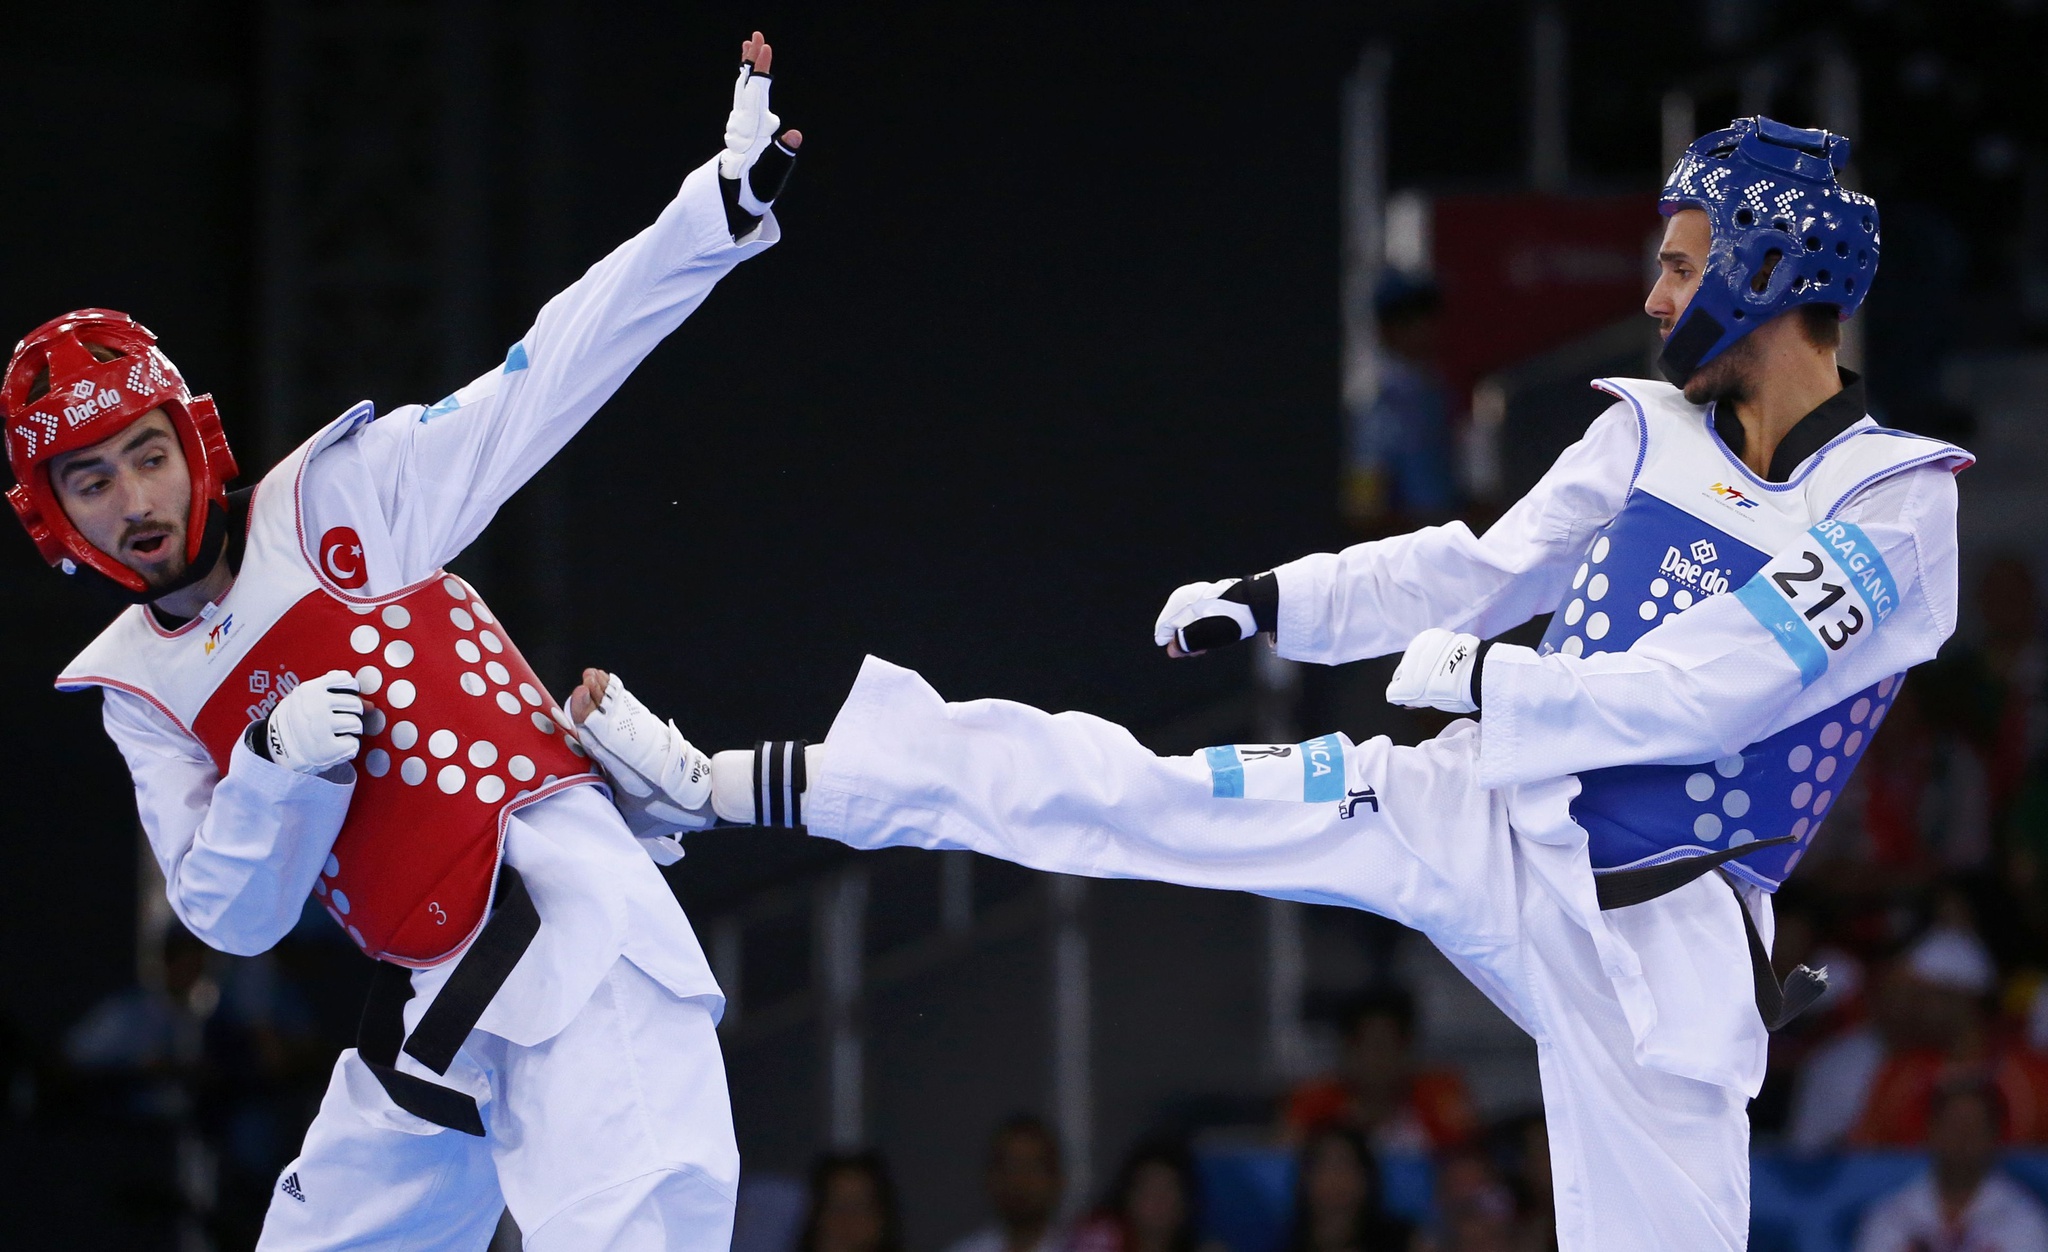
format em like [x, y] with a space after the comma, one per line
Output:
[1195, 602]
[317, 725]
[1437, 672]
[648, 760]
[750, 127]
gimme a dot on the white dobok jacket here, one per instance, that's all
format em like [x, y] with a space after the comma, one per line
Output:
[1725, 704]
[242, 851]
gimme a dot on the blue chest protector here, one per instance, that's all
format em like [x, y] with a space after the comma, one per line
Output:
[1698, 524]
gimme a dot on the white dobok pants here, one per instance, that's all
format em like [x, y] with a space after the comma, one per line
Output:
[1641, 1159]
[616, 1134]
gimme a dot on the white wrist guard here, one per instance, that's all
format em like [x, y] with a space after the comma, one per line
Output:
[1438, 671]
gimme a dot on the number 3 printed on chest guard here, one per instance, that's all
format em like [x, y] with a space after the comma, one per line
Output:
[1822, 596]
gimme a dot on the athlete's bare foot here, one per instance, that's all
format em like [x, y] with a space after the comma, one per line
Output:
[583, 700]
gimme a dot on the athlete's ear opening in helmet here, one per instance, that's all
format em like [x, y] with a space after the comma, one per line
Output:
[1763, 271]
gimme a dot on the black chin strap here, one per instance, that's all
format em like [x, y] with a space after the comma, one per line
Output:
[1694, 336]
[213, 544]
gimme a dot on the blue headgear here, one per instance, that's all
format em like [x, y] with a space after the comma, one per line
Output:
[1769, 190]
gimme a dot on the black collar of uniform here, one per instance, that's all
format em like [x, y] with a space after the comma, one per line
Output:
[237, 540]
[1831, 417]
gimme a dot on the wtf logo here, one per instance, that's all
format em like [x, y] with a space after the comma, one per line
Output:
[1729, 495]
[219, 635]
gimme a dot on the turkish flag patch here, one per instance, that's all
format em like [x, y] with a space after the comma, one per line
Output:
[341, 558]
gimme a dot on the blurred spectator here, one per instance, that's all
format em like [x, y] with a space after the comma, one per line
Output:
[1380, 1090]
[852, 1206]
[1153, 1205]
[1833, 1081]
[1961, 1204]
[1475, 1210]
[1919, 1008]
[1803, 938]
[1931, 1025]
[1401, 472]
[1958, 1040]
[1958, 763]
[1025, 1182]
[1521, 1146]
[1337, 1198]
[221, 1051]
[150, 1031]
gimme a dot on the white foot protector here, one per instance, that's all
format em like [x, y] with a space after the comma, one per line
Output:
[648, 760]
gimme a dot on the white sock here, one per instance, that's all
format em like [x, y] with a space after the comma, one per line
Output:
[774, 773]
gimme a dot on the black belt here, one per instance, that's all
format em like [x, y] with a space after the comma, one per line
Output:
[449, 1019]
[1777, 1003]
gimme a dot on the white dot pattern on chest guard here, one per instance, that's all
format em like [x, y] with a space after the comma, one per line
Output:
[475, 645]
[428, 755]
[1653, 561]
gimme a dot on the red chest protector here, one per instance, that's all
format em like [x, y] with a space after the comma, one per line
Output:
[458, 730]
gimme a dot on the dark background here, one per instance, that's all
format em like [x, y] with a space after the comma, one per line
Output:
[1054, 328]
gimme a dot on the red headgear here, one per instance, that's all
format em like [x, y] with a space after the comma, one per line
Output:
[88, 400]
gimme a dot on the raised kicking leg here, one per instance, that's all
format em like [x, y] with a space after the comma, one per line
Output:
[1644, 1158]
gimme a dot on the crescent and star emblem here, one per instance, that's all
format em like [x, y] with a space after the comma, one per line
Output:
[341, 558]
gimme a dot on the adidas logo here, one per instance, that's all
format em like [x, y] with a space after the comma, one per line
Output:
[290, 1186]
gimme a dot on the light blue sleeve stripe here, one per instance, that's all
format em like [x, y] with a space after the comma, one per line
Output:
[1226, 773]
[1322, 770]
[1777, 615]
[1845, 541]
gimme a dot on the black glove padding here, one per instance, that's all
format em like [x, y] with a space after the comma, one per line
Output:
[1198, 616]
[765, 180]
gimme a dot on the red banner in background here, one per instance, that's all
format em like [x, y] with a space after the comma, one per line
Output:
[1522, 274]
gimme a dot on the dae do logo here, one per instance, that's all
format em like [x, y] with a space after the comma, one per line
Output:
[1692, 569]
